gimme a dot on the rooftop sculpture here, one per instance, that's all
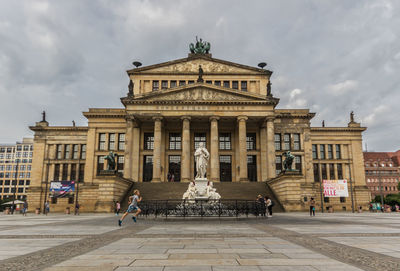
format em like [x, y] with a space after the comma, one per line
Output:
[200, 47]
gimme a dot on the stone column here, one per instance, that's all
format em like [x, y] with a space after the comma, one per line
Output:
[242, 148]
[263, 152]
[157, 149]
[270, 147]
[185, 162]
[214, 149]
[135, 151]
[128, 147]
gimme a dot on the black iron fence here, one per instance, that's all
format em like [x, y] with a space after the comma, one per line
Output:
[187, 208]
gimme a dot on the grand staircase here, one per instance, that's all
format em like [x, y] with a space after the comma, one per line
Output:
[227, 190]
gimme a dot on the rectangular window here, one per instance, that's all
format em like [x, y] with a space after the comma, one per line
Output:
[22, 175]
[111, 142]
[148, 141]
[297, 162]
[83, 151]
[252, 168]
[75, 148]
[164, 84]
[198, 138]
[342, 199]
[331, 171]
[24, 154]
[235, 84]
[21, 182]
[326, 199]
[56, 172]
[7, 182]
[66, 151]
[6, 189]
[224, 141]
[277, 142]
[174, 168]
[339, 171]
[53, 200]
[26, 147]
[28, 175]
[296, 142]
[28, 182]
[147, 168]
[191, 82]
[121, 142]
[100, 163]
[22, 168]
[59, 151]
[330, 151]
[251, 141]
[217, 83]
[102, 141]
[65, 172]
[278, 164]
[13, 190]
[225, 168]
[314, 151]
[175, 141]
[73, 172]
[209, 82]
[227, 84]
[156, 85]
[120, 164]
[173, 84]
[338, 152]
[324, 172]
[322, 151]
[286, 142]
[19, 148]
[243, 85]
[81, 172]
[316, 173]
[182, 82]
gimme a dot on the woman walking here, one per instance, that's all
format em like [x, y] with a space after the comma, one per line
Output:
[312, 207]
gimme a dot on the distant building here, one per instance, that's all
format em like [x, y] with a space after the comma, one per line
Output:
[382, 170]
[13, 179]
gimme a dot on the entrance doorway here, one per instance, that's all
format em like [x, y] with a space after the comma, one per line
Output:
[147, 168]
[174, 168]
[252, 168]
[225, 168]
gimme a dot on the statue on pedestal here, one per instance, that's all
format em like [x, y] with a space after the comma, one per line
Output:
[202, 156]
[212, 192]
[111, 159]
[287, 164]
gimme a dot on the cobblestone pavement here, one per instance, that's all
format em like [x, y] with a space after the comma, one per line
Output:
[341, 241]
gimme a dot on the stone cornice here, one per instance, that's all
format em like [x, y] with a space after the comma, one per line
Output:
[143, 102]
[60, 128]
[142, 70]
[338, 129]
[294, 116]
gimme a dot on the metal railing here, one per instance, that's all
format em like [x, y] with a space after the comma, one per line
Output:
[187, 208]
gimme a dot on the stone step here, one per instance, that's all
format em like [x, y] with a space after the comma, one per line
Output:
[227, 190]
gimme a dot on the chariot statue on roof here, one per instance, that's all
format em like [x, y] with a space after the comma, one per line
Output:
[200, 47]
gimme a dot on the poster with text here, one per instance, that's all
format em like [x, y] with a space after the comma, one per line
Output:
[62, 188]
[335, 188]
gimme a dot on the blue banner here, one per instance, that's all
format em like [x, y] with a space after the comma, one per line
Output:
[61, 189]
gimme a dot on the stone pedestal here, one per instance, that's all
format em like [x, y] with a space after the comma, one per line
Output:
[201, 187]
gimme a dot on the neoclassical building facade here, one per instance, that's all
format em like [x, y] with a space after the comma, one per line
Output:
[169, 109]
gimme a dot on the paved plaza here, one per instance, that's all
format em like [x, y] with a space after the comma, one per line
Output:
[288, 241]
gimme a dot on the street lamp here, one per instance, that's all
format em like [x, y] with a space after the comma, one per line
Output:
[351, 189]
[15, 187]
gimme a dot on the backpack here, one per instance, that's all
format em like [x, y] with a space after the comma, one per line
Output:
[272, 203]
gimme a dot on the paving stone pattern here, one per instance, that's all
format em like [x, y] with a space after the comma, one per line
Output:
[285, 242]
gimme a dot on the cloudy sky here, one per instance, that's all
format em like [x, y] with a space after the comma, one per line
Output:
[329, 56]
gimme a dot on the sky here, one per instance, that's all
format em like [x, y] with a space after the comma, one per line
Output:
[332, 57]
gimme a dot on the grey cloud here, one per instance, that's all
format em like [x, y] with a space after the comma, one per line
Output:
[66, 56]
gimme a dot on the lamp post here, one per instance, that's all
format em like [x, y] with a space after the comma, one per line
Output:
[380, 186]
[351, 189]
[320, 186]
[77, 185]
[15, 187]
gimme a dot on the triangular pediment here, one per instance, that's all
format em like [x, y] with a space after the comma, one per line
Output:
[201, 92]
[191, 65]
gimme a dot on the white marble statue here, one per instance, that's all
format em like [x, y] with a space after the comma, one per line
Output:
[202, 156]
[212, 192]
[191, 192]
